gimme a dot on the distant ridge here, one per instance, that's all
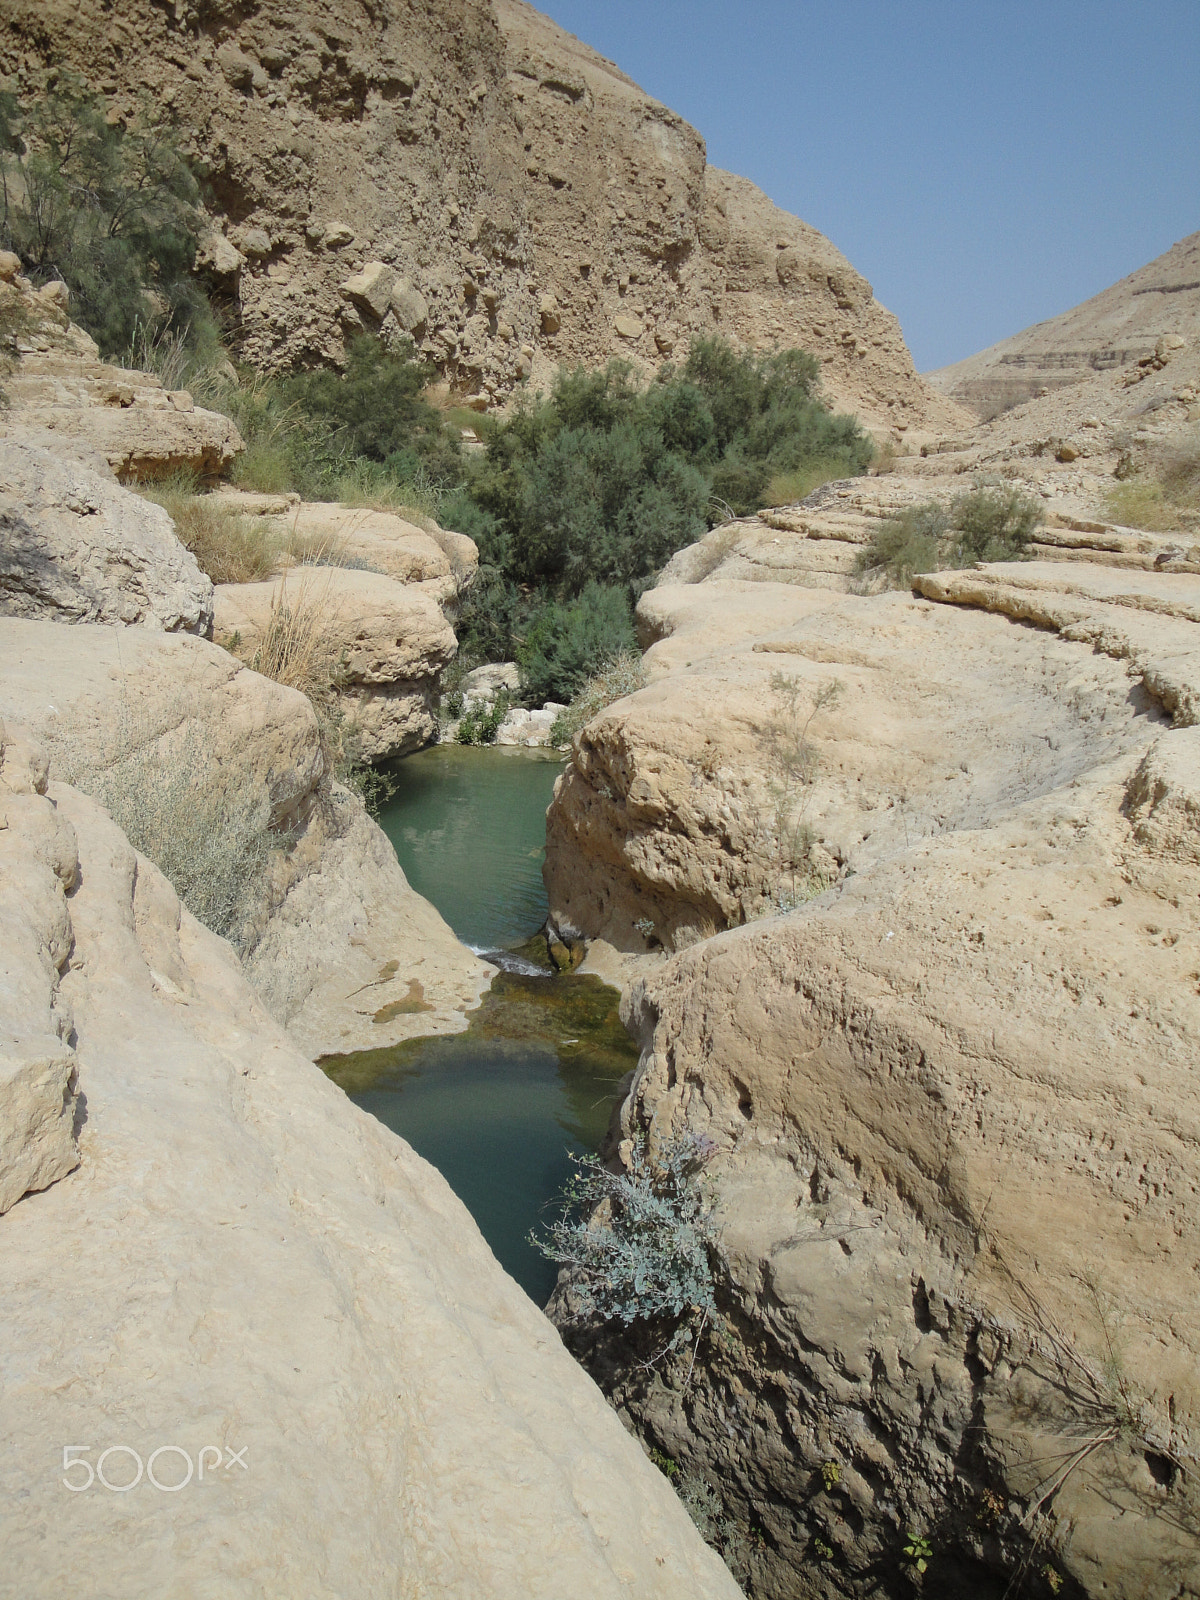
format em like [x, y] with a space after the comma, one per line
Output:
[1120, 325]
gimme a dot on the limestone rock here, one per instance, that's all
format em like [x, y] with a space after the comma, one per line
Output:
[389, 642]
[37, 1108]
[63, 396]
[409, 307]
[371, 289]
[340, 934]
[261, 1272]
[548, 311]
[76, 547]
[902, 1012]
[483, 684]
[628, 327]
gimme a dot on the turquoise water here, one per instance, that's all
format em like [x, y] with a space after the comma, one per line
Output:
[469, 828]
[497, 1109]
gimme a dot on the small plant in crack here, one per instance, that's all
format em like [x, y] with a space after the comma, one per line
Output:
[639, 1242]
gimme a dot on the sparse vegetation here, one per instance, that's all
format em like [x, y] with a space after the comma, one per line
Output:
[637, 1242]
[230, 548]
[990, 523]
[623, 674]
[792, 766]
[1163, 495]
[206, 827]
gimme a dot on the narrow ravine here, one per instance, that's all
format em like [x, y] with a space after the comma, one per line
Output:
[497, 1109]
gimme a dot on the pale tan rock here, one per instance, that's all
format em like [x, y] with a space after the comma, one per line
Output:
[261, 1271]
[953, 1128]
[387, 642]
[37, 1109]
[10, 266]
[628, 327]
[61, 393]
[77, 548]
[340, 934]
[371, 289]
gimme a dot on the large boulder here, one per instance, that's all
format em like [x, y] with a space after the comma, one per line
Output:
[386, 644]
[334, 935]
[257, 1312]
[77, 548]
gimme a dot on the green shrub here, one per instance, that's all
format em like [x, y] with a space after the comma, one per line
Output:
[647, 1257]
[624, 674]
[480, 723]
[568, 641]
[110, 208]
[988, 523]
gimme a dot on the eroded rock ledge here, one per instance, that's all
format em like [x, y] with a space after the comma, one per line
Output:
[955, 1130]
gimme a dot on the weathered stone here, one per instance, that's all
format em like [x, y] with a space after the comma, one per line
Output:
[259, 1270]
[550, 314]
[77, 548]
[409, 307]
[628, 327]
[371, 289]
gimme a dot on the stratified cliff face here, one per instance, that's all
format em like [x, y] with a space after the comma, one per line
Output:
[1122, 325]
[479, 180]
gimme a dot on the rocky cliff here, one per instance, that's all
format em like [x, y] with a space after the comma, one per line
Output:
[470, 175]
[1116, 328]
[946, 1092]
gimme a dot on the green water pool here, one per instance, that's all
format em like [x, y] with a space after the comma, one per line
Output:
[498, 1109]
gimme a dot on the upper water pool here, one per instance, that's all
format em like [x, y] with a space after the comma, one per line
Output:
[469, 829]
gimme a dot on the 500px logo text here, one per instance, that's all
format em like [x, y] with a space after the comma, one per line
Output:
[170, 1468]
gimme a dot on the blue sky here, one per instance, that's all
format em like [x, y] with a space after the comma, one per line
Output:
[985, 165]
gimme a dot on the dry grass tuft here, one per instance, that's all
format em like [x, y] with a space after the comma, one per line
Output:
[623, 674]
[229, 547]
[788, 488]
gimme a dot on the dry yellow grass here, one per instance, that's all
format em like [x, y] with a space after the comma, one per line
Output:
[229, 547]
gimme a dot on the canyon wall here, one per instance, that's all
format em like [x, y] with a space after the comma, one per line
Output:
[933, 1026]
[471, 176]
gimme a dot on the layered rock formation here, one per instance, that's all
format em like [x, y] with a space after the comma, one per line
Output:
[386, 644]
[951, 1122]
[1140, 319]
[282, 1357]
[75, 547]
[474, 178]
[62, 396]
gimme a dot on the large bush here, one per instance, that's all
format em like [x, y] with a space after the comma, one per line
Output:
[567, 641]
[111, 209]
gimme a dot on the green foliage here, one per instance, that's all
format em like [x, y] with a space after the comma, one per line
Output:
[604, 480]
[667, 1465]
[566, 642]
[111, 209]
[623, 674]
[918, 1551]
[638, 1241]
[831, 1474]
[480, 723]
[990, 523]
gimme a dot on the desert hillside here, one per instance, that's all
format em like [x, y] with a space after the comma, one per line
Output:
[469, 174]
[1116, 328]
